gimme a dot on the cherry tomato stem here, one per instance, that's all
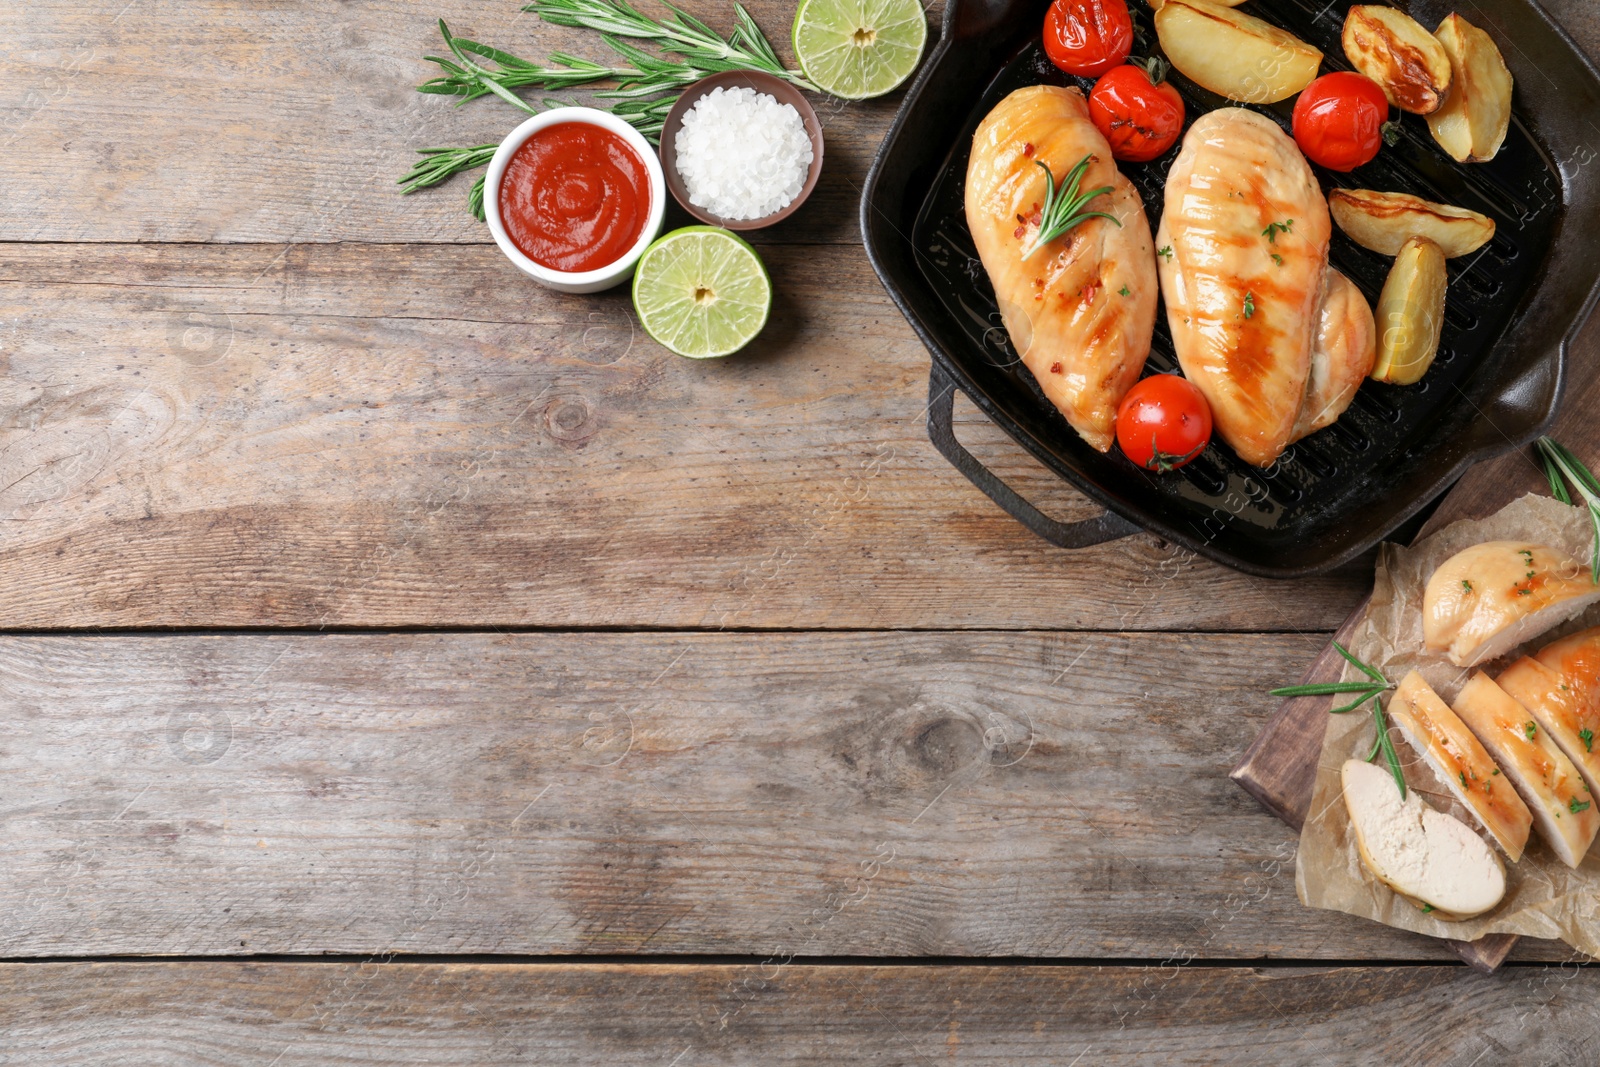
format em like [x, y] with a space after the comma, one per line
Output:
[1163, 423]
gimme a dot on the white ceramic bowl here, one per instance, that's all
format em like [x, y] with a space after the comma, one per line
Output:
[588, 281]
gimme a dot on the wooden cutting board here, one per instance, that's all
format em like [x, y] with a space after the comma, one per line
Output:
[1280, 766]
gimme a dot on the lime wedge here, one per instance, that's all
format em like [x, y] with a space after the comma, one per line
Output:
[701, 292]
[859, 48]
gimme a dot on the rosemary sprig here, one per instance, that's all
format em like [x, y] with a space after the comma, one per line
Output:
[1063, 204]
[471, 80]
[441, 164]
[681, 34]
[647, 75]
[1560, 463]
[1372, 689]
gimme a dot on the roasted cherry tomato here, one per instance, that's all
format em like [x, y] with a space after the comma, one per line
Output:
[1088, 37]
[1339, 120]
[1163, 423]
[1140, 113]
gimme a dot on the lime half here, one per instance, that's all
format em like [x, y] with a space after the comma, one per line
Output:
[859, 48]
[702, 292]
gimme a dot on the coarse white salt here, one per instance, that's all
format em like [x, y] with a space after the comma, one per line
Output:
[741, 154]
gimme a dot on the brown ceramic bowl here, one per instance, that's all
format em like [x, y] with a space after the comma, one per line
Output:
[774, 87]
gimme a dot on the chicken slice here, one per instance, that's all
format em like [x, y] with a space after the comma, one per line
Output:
[1247, 229]
[1081, 309]
[1342, 355]
[1461, 762]
[1430, 858]
[1486, 600]
[1562, 806]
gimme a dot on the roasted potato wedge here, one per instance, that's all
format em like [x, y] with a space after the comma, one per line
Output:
[1155, 5]
[1410, 313]
[1394, 50]
[1235, 54]
[1471, 124]
[1383, 221]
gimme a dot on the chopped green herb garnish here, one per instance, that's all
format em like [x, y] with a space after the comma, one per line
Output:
[1575, 805]
[1467, 585]
[1277, 259]
[1249, 304]
[1463, 779]
[1275, 228]
[1426, 908]
[1495, 771]
[1124, 291]
[1588, 737]
[1530, 729]
[1165, 251]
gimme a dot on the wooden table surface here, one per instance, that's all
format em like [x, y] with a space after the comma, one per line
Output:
[400, 663]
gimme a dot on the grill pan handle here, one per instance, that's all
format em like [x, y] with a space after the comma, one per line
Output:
[1082, 534]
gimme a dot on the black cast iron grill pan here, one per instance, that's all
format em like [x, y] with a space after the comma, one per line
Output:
[1512, 308]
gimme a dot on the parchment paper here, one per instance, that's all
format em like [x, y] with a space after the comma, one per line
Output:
[1544, 897]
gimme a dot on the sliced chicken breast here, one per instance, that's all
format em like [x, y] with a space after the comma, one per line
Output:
[1081, 309]
[1561, 710]
[1248, 231]
[1426, 856]
[1562, 806]
[1488, 599]
[1342, 354]
[1576, 658]
[1461, 762]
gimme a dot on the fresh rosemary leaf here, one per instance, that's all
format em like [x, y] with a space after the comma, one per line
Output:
[1559, 462]
[1362, 667]
[1381, 722]
[475, 199]
[1558, 485]
[1323, 689]
[1063, 204]
[1356, 703]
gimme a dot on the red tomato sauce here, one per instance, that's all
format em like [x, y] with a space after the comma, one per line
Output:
[575, 197]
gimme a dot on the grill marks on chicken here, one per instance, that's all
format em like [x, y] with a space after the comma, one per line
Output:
[1246, 283]
[1080, 310]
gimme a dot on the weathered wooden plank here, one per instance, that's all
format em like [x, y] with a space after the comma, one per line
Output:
[813, 794]
[308, 1013]
[159, 120]
[324, 435]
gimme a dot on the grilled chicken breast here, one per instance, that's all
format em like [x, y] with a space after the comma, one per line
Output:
[1343, 352]
[1080, 309]
[1248, 230]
